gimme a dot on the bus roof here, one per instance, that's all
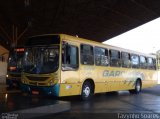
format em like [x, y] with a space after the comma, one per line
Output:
[94, 43]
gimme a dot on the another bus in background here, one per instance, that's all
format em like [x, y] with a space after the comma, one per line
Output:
[14, 67]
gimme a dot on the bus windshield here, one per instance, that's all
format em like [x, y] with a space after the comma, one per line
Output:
[15, 60]
[41, 59]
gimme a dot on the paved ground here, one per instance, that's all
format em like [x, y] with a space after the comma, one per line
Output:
[120, 105]
[15, 105]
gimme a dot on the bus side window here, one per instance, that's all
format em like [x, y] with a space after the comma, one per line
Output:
[135, 61]
[101, 56]
[125, 60]
[70, 57]
[87, 57]
[115, 58]
[154, 64]
[143, 62]
[150, 63]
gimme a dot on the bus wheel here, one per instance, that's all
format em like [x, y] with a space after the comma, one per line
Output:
[87, 91]
[137, 89]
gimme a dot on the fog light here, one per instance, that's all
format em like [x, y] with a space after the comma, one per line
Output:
[51, 83]
[23, 81]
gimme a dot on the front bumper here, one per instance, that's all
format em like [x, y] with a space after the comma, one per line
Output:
[46, 90]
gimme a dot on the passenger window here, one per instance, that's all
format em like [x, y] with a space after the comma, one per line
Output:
[69, 57]
[101, 56]
[135, 61]
[143, 62]
[154, 64]
[115, 58]
[126, 60]
[87, 56]
[151, 63]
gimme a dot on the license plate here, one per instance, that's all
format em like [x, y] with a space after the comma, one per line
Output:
[35, 92]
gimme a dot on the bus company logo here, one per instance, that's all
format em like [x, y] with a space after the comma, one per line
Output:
[112, 73]
[9, 116]
[127, 75]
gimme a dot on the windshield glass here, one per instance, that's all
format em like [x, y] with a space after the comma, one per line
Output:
[15, 61]
[40, 60]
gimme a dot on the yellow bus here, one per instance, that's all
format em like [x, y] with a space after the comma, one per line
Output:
[63, 65]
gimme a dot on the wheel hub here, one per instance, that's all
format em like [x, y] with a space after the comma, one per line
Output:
[138, 87]
[86, 91]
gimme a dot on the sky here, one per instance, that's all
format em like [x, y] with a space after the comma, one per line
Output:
[145, 38]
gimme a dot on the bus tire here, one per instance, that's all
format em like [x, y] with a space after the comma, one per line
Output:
[87, 91]
[137, 89]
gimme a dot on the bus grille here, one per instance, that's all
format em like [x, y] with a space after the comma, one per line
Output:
[37, 78]
[36, 84]
[15, 75]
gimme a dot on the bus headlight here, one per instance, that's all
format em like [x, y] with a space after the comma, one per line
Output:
[23, 81]
[51, 83]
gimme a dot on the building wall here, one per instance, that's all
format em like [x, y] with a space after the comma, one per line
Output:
[4, 53]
